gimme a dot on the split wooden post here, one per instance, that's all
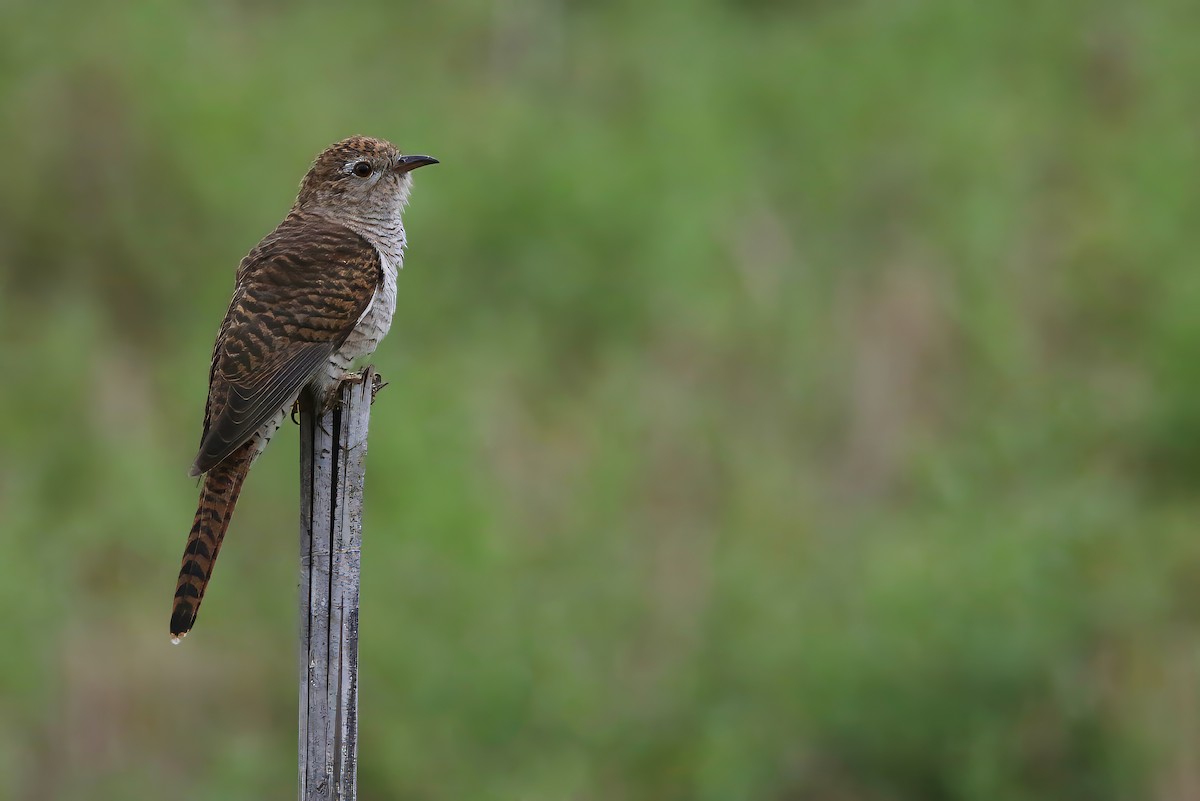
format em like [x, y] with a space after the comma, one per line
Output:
[333, 450]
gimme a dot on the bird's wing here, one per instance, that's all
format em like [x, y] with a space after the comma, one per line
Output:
[299, 294]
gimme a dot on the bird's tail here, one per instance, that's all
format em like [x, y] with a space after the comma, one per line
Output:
[218, 495]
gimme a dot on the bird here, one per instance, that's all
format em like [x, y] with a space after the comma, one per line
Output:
[315, 295]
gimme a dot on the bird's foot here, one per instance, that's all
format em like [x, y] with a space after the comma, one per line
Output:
[356, 378]
[331, 399]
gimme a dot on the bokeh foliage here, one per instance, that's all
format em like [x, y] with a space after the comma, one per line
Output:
[789, 400]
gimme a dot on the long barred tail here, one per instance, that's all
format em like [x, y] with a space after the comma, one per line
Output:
[218, 495]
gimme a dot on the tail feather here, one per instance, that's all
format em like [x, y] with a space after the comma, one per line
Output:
[218, 496]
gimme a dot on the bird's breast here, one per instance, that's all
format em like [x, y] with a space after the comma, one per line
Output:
[376, 320]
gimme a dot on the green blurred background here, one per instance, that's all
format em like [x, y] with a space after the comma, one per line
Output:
[788, 400]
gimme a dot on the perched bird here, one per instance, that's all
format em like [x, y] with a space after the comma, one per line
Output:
[314, 295]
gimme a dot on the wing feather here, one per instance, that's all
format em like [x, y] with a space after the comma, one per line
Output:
[299, 294]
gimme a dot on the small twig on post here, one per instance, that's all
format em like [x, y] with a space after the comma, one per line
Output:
[333, 449]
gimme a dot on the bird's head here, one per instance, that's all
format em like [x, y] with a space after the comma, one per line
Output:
[360, 176]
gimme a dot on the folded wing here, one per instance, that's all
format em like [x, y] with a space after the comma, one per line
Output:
[300, 294]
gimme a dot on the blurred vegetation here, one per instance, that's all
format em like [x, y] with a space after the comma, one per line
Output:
[789, 400]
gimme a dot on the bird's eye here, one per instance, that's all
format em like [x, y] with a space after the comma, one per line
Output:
[362, 169]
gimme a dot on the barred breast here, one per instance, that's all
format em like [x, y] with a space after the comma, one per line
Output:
[377, 319]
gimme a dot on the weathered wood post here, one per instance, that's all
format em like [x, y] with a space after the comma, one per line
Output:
[333, 450]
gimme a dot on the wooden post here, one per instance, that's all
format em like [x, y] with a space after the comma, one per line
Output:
[333, 450]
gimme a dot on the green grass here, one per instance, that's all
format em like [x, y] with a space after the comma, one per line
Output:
[788, 400]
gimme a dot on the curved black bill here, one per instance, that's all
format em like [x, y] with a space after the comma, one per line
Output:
[410, 163]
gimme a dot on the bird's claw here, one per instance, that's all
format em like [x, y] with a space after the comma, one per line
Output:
[332, 401]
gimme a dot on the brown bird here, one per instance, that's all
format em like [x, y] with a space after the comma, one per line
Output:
[314, 295]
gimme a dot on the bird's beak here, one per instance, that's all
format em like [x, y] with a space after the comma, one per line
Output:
[410, 163]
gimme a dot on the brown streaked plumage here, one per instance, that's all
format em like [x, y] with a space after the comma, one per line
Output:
[317, 293]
